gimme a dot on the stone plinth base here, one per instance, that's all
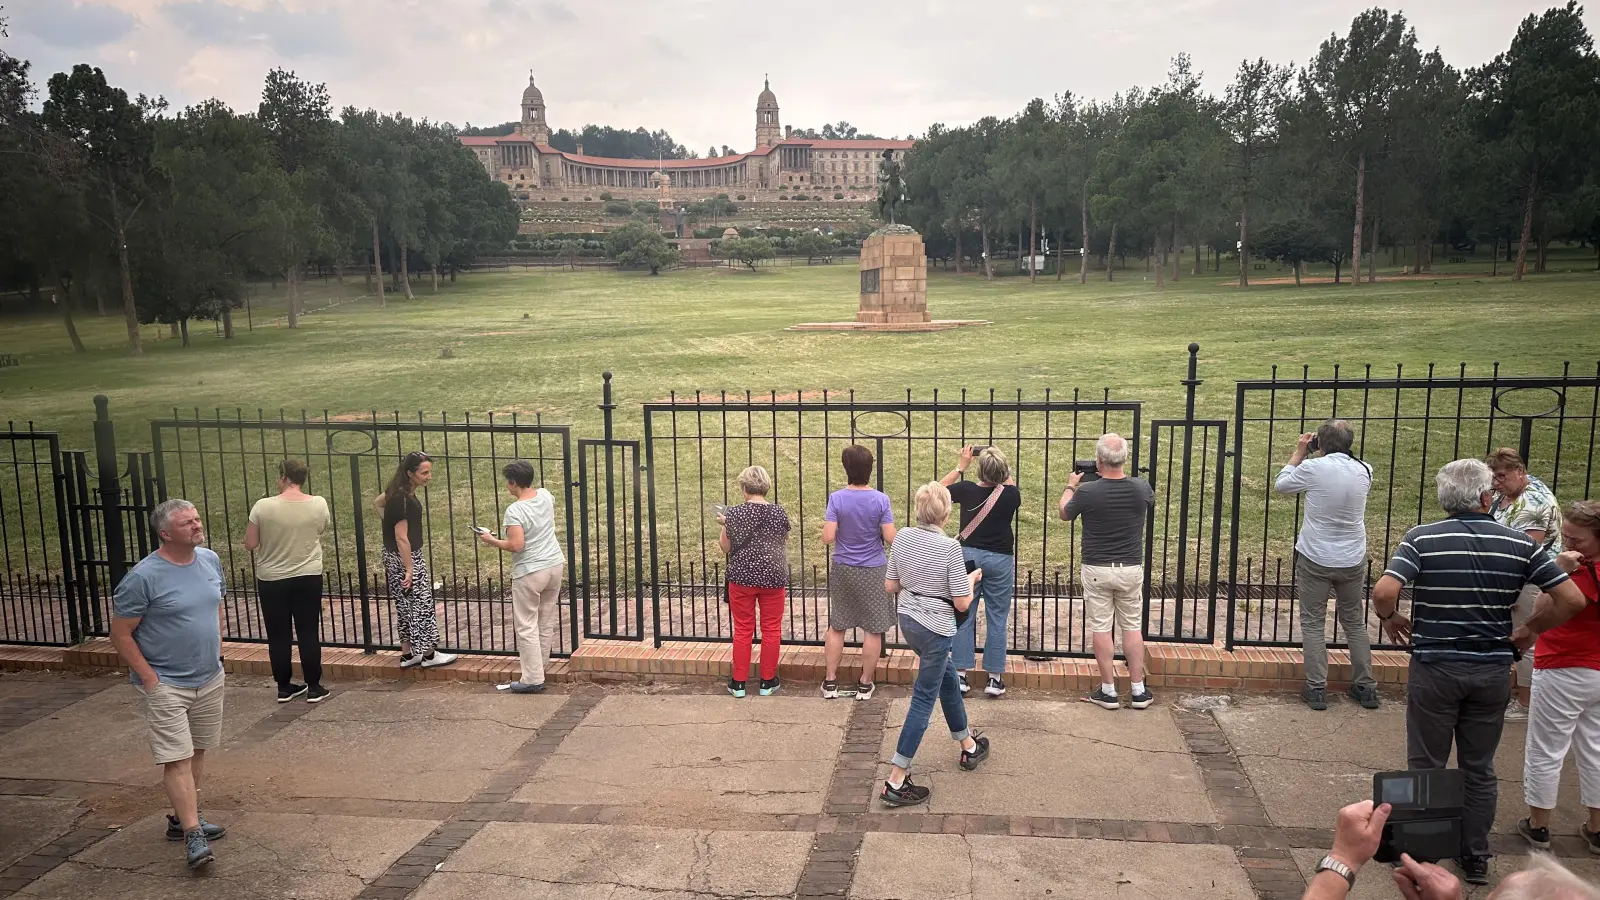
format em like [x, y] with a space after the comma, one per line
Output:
[894, 278]
[930, 325]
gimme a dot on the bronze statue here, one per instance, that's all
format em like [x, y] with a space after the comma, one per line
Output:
[891, 190]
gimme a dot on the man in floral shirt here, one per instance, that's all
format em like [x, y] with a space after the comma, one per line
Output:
[1527, 504]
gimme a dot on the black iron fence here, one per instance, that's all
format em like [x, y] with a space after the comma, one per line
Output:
[637, 523]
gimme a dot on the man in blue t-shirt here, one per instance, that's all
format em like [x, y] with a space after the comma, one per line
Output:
[166, 624]
[1465, 574]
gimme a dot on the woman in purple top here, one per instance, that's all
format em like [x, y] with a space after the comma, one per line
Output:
[859, 524]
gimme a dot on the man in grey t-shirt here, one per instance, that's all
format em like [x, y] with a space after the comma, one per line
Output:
[1114, 508]
[1331, 556]
[166, 623]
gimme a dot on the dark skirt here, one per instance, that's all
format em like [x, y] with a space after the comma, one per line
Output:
[856, 599]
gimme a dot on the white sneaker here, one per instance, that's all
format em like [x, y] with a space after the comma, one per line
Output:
[996, 688]
[407, 662]
[961, 679]
[1515, 711]
[439, 658]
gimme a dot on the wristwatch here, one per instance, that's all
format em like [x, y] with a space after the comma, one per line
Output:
[1329, 864]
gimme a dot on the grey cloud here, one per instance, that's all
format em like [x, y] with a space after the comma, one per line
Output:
[285, 32]
[72, 25]
[548, 11]
[556, 12]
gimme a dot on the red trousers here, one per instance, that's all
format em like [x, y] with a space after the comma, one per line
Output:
[742, 603]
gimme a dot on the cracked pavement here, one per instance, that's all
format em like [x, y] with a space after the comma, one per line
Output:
[624, 793]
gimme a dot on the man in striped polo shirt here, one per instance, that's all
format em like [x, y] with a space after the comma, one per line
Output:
[1466, 572]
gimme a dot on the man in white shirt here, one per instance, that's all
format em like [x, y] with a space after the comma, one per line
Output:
[1331, 556]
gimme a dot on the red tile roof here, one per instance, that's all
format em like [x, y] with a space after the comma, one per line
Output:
[607, 162]
[710, 162]
[851, 145]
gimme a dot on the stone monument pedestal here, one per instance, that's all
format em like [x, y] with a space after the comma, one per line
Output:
[894, 287]
[894, 278]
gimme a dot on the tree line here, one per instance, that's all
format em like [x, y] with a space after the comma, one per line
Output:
[102, 194]
[1373, 143]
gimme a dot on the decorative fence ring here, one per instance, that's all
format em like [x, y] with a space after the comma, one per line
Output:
[371, 436]
[902, 418]
[1561, 401]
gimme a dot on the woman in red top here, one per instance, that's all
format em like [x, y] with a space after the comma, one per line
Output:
[1566, 691]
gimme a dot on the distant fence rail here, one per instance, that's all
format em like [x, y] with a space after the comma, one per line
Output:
[636, 522]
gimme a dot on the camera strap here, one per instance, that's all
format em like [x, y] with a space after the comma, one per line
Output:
[983, 513]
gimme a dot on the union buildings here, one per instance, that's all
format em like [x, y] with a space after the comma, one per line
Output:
[779, 164]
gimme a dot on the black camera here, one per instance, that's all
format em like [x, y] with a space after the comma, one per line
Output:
[1086, 468]
[1314, 445]
[1426, 813]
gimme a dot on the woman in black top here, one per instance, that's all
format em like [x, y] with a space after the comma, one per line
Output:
[406, 568]
[989, 546]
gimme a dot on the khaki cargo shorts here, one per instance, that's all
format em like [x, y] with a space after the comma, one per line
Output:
[183, 720]
[1113, 593]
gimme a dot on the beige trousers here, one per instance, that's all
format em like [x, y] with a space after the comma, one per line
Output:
[534, 599]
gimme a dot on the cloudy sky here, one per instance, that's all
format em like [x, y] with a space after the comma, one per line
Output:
[694, 67]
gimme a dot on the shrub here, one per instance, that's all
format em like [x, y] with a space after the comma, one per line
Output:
[566, 200]
[725, 196]
[784, 197]
[605, 195]
[741, 197]
[837, 195]
[621, 209]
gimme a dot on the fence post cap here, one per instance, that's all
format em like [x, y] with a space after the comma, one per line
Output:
[1194, 346]
[102, 406]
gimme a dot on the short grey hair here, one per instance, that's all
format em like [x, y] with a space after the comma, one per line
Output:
[162, 515]
[755, 480]
[1462, 485]
[1335, 436]
[1545, 879]
[992, 466]
[932, 504]
[1112, 450]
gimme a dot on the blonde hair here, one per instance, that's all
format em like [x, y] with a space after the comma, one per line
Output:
[755, 480]
[932, 505]
[992, 466]
[1545, 879]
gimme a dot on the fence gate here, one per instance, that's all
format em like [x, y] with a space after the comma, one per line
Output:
[37, 600]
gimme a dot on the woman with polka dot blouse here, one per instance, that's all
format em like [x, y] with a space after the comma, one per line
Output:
[754, 535]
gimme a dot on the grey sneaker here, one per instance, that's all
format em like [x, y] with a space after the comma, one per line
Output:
[1515, 711]
[521, 687]
[1315, 697]
[198, 849]
[212, 831]
[1366, 695]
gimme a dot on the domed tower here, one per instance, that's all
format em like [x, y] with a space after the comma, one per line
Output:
[533, 125]
[768, 131]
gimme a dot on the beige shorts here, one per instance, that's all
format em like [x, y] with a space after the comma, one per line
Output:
[1113, 593]
[183, 720]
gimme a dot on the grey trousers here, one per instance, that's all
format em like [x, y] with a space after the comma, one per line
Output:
[1314, 582]
[1463, 703]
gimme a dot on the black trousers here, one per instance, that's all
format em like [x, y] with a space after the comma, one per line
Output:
[1462, 704]
[292, 607]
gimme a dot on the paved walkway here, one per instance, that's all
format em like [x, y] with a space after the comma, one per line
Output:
[444, 791]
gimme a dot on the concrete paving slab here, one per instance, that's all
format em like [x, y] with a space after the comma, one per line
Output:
[436, 742]
[1305, 765]
[102, 738]
[958, 867]
[32, 822]
[589, 862]
[1376, 883]
[1058, 758]
[42, 684]
[264, 855]
[697, 755]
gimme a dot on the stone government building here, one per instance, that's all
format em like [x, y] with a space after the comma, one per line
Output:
[779, 164]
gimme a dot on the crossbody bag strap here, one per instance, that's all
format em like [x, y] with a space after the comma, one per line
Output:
[983, 513]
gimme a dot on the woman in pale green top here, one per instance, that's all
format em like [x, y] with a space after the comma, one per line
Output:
[285, 536]
[536, 568]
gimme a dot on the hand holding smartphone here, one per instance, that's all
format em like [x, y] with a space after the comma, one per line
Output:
[480, 529]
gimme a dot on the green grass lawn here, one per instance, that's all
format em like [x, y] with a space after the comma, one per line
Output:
[538, 341]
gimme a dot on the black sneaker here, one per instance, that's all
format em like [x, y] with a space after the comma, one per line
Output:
[285, 694]
[769, 686]
[995, 689]
[1592, 838]
[1366, 695]
[736, 688]
[1316, 698]
[864, 691]
[1141, 699]
[971, 758]
[211, 831]
[961, 682]
[1474, 869]
[907, 794]
[830, 690]
[1100, 698]
[198, 849]
[1538, 837]
[316, 693]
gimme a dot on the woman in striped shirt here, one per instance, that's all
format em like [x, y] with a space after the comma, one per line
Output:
[927, 574]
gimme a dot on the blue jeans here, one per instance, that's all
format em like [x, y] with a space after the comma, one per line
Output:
[999, 575]
[935, 678]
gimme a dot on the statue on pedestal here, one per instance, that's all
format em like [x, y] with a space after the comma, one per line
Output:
[891, 189]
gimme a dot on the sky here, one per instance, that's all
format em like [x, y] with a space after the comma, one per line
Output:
[694, 67]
